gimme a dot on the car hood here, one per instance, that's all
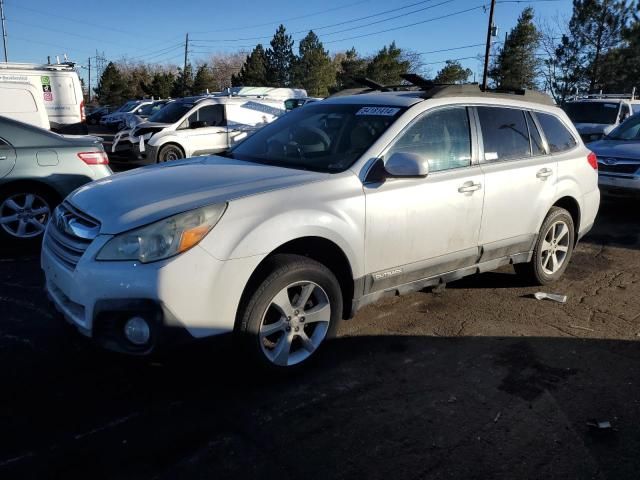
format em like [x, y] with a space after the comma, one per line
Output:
[144, 195]
[617, 148]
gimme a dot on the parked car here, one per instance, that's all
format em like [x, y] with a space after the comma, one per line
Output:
[597, 115]
[619, 159]
[116, 120]
[329, 208]
[58, 86]
[38, 168]
[93, 118]
[200, 126]
[21, 101]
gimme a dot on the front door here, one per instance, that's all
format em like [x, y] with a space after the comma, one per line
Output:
[206, 130]
[420, 227]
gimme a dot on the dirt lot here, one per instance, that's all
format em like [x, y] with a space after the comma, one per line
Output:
[481, 381]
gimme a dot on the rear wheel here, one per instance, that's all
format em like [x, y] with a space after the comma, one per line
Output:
[291, 313]
[553, 249]
[24, 213]
[169, 153]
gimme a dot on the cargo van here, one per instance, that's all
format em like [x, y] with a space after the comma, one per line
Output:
[59, 88]
[22, 102]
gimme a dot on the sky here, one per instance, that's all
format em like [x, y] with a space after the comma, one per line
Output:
[154, 30]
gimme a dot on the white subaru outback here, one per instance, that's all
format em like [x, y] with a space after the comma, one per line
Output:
[328, 208]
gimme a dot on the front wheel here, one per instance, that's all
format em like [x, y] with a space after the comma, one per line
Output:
[291, 312]
[169, 153]
[553, 249]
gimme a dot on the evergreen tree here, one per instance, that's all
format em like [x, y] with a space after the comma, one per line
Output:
[387, 65]
[623, 64]
[183, 84]
[203, 80]
[352, 66]
[254, 70]
[161, 85]
[313, 69]
[453, 72]
[517, 65]
[112, 87]
[280, 59]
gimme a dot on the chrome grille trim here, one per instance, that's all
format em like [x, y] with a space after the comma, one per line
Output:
[67, 233]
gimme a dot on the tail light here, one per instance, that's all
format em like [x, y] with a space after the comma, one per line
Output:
[94, 158]
[83, 117]
[593, 160]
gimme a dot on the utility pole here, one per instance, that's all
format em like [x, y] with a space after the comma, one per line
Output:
[488, 50]
[89, 80]
[4, 31]
[184, 71]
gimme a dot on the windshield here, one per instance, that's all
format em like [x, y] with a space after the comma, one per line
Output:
[629, 130]
[171, 113]
[151, 108]
[320, 137]
[127, 107]
[592, 112]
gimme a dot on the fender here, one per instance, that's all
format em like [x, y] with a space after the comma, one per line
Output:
[163, 137]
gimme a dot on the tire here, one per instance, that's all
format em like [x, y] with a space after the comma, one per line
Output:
[24, 213]
[277, 331]
[169, 153]
[546, 267]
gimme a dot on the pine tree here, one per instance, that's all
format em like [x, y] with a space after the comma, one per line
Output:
[161, 85]
[387, 65]
[352, 66]
[453, 72]
[254, 70]
[280, 59]
[517, 65]
[313, 69]
[183, 84]
[112, 87]
[203, 80]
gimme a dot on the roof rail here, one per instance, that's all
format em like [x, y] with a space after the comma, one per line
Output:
[37, 66]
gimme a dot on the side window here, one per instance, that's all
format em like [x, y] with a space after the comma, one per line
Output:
[442, 137]
[558, 136]
[537, 148]
[504, 133]
[212, 114]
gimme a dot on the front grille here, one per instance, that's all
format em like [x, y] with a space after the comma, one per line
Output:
[623, 168]
[69, 234]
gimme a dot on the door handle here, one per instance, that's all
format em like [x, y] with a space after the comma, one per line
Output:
[469, 187]
[544, 173]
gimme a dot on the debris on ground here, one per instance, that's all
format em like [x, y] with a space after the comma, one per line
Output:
[497, 417]
[600, 425]
[550, 296]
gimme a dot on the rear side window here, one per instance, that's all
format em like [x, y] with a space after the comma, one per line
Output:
[442, 137]
[537, 148]
[504, 133]
[558, 136]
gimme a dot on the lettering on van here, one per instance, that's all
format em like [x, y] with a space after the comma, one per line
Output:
[13, 78]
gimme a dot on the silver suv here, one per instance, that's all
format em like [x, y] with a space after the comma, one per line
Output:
[329, 208]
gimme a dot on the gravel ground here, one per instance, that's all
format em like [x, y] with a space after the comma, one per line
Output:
[479, 381]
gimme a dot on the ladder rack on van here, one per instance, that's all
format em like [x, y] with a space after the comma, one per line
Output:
[66, 66]
[620, 96]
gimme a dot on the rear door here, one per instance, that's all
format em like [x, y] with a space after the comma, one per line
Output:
[7, 158]
[520, 180]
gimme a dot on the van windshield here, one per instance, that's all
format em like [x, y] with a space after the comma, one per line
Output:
[320, 137]
[592, 112]
[171, 113]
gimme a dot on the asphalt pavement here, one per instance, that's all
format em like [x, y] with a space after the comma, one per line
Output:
[480, 381]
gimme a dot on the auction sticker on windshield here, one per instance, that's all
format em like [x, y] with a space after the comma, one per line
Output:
[379, 111]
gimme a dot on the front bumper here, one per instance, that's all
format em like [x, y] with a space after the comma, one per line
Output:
[626, 185]
[192, 295]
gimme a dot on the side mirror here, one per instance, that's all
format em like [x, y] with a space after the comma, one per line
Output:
[198, 124]
[406, 164]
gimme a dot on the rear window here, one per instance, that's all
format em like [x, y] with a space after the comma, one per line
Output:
[558, 136]
[504, 133]
[592, 112]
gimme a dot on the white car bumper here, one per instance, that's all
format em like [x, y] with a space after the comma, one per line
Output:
[192, 292]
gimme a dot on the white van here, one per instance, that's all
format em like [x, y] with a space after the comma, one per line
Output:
[203, 125]
[22, 102]
[59, 88]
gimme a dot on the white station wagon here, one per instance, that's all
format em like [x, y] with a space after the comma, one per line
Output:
[330, 207]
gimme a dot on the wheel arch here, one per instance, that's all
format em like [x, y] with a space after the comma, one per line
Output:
[317, 248]
[24, 182]
[570, 204]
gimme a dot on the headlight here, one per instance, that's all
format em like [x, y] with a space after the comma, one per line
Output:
[165, 238]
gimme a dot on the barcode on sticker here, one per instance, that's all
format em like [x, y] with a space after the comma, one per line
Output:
[381, 111]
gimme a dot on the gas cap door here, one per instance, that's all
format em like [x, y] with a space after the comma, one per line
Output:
[47, 158]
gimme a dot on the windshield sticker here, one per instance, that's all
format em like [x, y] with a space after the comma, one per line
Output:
[379, 111]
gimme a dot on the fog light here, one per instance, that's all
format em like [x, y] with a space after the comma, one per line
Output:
[137, 330]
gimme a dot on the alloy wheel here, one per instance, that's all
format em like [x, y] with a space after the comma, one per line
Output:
[555, 247]
[24, 215]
